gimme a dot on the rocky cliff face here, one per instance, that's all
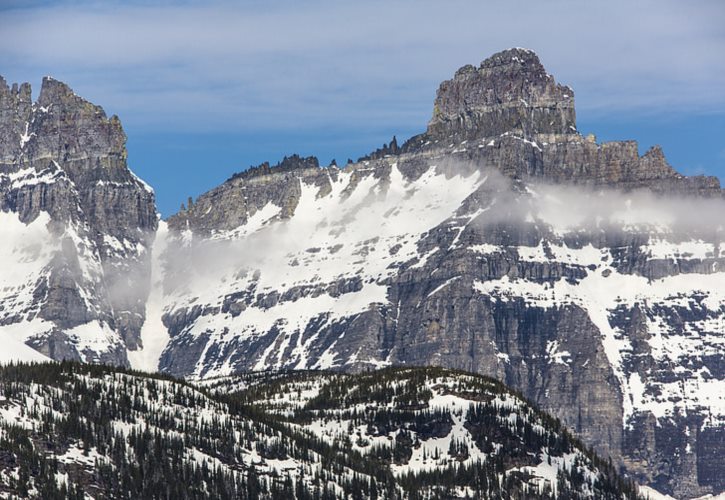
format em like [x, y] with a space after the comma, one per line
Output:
[77, 288]
[509, 92]
[499, 241]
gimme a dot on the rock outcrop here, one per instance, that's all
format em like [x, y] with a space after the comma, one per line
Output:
[63, 158]
[509, 92]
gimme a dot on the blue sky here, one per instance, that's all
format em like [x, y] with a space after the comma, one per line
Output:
[205, 89]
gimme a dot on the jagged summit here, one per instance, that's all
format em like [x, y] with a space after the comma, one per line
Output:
[63, 162]
[52, 90]
[288, 163]
[509, 92]
[525, 125]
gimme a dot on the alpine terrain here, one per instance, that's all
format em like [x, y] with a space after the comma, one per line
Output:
[500, 241]
[76, 228]
[69, 430]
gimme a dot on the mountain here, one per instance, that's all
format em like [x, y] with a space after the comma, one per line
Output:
[69, 430]
[499, 241]
[76, 224]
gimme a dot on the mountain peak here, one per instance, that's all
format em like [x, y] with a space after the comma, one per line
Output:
[56, 92]
[515, 54]
[508, 92]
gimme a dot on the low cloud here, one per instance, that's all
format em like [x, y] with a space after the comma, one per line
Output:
[577, 208]
[567, 209]
[519, 213]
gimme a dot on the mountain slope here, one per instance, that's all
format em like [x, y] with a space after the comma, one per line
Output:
[68, 430]
[77, 226]
[500, 241]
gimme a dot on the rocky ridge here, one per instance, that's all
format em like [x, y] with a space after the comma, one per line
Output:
[63, 171]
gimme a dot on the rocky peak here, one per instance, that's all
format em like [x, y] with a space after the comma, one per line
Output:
[71, 128]
[508, 92]
[65, 157]
[68, 135]
[54, 91]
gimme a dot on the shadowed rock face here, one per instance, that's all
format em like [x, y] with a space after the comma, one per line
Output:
[63, 156]
[426, 254]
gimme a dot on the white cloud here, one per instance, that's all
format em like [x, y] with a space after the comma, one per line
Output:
[224, 65]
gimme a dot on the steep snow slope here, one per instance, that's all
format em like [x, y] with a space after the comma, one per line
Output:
[26, 252]
[154, 335]
[14, 351]
[329, 261]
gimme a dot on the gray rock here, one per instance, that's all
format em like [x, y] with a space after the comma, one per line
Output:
[62, 155]
[509, 115]
[509, 92]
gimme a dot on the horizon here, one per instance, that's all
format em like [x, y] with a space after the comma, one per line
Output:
[190, 80]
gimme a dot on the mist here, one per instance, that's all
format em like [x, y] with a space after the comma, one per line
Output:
[303, 249]
[576, 207]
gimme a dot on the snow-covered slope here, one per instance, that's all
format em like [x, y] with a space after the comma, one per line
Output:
[115, 434]
[327, 262]
[154, 336]
[583, 274]
[14, 351]
[542, 285]
[25, 253]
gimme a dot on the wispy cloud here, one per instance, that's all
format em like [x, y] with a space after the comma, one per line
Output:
[205, 66]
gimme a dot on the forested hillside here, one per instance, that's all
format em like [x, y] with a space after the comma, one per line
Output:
[73, 431]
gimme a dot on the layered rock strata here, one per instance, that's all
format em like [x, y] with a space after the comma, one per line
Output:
[63, 171]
